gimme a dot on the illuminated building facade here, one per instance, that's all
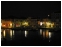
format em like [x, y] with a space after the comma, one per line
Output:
[45, 23]
[6, 23]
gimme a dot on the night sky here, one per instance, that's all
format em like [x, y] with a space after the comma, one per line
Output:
[19, 9]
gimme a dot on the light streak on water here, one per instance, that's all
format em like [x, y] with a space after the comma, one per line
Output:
[11, 34]
[4, 33]
[25, 33]
[40, 31]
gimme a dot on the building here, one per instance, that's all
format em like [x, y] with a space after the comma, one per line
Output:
[33, 23]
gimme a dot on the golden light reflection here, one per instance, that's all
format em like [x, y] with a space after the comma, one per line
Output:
[47, 33]
[4, 33]
[25, 33]
[11, 34]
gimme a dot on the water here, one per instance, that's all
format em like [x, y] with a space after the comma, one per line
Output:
[39, 37]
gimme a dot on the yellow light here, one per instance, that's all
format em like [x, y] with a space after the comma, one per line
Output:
[52, 25]
[11, 34]
[48, 25]
[4, 33]
[25, 23]
[41, 23]
[10, 24]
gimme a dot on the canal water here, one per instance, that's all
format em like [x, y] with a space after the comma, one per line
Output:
[39, 37]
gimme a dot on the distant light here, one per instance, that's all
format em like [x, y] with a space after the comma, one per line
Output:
[25, 23]
[48, 15]
[48, 24]
[41, 23]
[10, 24]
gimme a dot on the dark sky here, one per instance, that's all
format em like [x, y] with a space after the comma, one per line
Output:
[19, 9]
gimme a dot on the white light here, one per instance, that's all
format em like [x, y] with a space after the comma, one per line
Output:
[25, 33]
[41, 23]
[49, 34]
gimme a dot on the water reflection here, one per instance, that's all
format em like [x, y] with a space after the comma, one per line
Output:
[4, 33]
[45, 33]
[26, 33]
[7, 33]
[40, 31]
[12, 34]
[50, 34]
